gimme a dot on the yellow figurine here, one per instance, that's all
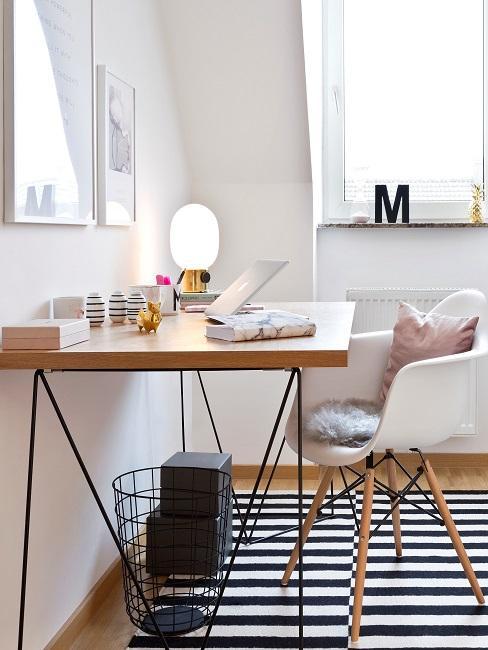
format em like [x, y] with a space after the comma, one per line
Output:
[151, 318]
[476, 208]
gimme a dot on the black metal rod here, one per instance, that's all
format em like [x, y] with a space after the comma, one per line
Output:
[219, 446]
[288, 530]
[318, 520]
[248, 509]
[395, 503]
[300, 506]
[265, 493]
[372, 465]
[387, 491]
[351, 469]
[351, 502]
[404, 469]
[102, 509]
[28, 500]
[381, 489]
[426, 496]
[356, 483]
[420, 472]
[209, 411]
[182, 404]
[328, 503]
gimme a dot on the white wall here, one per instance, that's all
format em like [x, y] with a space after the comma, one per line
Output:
[240, 83]
[120, 422]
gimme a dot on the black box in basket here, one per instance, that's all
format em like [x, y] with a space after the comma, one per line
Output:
[182, 546]
[188, 486]
[187, 534]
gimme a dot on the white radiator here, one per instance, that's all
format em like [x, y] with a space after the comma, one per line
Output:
[376, 309]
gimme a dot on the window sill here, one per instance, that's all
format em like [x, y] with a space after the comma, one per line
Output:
[415, 224]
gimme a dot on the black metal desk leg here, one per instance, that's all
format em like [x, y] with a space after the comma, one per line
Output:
[103, 512]
[300, 507]
[40, 374]
[28, 510]
[219, 447]
[250, 505]
[182, 403]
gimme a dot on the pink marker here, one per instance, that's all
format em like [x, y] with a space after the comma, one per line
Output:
[163, 280]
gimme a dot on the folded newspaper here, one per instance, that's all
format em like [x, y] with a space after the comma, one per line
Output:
[268, 324]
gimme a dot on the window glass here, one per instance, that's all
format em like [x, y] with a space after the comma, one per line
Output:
[413, 97]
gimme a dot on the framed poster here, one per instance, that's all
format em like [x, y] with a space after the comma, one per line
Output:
[49, 112]
[116, 153]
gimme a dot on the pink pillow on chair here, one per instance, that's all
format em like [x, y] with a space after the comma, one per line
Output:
[418, 336]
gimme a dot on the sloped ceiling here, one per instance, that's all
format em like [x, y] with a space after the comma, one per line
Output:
[239, 78]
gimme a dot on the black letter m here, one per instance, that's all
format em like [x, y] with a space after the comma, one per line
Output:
[381, 197]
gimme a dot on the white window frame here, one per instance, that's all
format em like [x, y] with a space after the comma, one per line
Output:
[335, 208]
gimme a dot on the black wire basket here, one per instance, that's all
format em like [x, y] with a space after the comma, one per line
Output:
[175, 528]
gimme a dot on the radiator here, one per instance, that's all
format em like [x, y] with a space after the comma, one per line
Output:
[376, 309]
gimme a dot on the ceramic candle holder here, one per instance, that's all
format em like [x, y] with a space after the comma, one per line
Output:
[95, 309]
[117, 307]
[135, 303]
[169, 302]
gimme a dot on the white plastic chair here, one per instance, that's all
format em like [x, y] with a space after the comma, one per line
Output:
[424, 406]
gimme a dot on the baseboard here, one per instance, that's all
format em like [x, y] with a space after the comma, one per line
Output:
[243, 472]
[311, 472]
[82, 615]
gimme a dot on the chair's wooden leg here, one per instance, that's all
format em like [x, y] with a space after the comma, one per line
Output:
[364, 529]
[452, 530]
[393, 484]
[309, 521]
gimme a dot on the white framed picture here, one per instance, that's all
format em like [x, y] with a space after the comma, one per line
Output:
[116, 151]
[49, 112]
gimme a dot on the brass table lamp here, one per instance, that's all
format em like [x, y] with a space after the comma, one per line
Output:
[194, 241]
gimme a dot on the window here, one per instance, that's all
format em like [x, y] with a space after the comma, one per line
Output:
[404, 84]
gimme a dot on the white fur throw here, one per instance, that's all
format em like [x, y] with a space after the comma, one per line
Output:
[347, 423]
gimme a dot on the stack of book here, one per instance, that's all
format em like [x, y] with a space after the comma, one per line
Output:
[46, 334]
[271, 324]
[202, 299]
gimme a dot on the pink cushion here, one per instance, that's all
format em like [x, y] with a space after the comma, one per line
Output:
[418, 336]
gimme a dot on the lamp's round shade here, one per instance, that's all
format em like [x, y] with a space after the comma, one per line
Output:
[194, 237]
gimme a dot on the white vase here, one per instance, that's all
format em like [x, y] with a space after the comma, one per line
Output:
[95, 309]
[135, 302]
[117, 307]
[150, 292]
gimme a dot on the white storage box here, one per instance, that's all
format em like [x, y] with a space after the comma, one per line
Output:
[45, 334]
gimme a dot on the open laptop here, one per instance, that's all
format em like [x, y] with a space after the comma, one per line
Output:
[244, 288]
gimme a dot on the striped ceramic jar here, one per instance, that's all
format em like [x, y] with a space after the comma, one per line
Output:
[95, 309]
[135, 302]
[117, 307]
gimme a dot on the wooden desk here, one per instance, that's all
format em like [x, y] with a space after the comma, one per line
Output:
[180, 345]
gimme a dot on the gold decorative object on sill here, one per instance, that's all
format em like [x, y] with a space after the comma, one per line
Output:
[476, 208]
[150, 319]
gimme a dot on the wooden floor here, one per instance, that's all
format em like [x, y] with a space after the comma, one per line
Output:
[110, 629]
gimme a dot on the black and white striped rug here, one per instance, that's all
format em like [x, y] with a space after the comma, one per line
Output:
[422, 600]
